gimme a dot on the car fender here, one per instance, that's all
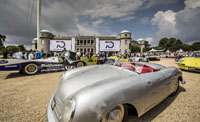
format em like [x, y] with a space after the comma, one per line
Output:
[91, 107]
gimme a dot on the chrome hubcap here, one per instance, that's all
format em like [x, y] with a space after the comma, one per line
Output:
[115, 115]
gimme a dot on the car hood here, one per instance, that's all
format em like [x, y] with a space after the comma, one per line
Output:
[81, 78]
[191, 61]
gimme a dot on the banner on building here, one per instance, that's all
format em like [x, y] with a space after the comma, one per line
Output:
[109, 45]
[59, 45]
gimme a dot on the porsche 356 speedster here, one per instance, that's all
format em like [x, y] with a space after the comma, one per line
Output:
[103, 93]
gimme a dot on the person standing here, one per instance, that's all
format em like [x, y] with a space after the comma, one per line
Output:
[38, 54]
[78, 54]
[10, 53]
[30, 56]
[25, 55]
[18, 55]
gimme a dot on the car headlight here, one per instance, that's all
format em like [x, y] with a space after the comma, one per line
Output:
[180, 60]
[69, 110]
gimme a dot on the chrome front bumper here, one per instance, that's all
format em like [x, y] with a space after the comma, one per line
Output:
[50, 115]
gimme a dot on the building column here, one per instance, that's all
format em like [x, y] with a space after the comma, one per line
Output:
[97, 45]
[73, 44]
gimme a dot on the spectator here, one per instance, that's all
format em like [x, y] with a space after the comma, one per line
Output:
[78, 54]
[25, 55]
[30, 56]
[18, 55]
[11, 53]
[38, 54]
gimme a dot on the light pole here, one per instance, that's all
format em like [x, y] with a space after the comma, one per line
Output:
[38, 24]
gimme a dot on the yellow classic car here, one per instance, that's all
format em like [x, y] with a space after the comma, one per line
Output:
[190, 63]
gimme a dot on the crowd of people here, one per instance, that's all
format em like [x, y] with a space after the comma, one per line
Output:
[31, 55]
[27, 55]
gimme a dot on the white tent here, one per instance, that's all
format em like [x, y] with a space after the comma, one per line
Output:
[168, 51]
[154, 50]
[180, 51]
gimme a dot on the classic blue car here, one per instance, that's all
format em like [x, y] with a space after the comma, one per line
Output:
[30, 67]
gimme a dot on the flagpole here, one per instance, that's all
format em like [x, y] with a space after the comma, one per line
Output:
[38, 24]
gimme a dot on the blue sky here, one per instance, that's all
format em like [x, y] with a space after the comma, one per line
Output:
[148, 19]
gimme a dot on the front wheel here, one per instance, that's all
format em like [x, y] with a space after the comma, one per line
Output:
[176, 88]
[30, 69]
[117, 114]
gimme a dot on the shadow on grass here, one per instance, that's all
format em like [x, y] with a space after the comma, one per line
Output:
[154, 112]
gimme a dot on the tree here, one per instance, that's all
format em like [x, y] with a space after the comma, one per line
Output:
[147, 46]
[171, 44]
[195, 46]
[163, 42]
[186, 47]
[2, 39]
[12, 48]
[21, 48]
[135, 49]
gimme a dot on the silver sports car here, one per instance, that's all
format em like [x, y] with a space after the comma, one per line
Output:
[103, 93]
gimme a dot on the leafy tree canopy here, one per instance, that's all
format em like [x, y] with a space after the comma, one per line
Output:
[173, 45]
[2, 39]
[135, 49]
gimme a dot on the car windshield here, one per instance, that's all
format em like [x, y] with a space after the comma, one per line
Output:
[194, 54]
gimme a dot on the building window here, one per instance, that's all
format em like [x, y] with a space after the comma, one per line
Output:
[81, 50]
[88, 50]
[92, 42]
[92, 50]
[35, 45]
[81, 42]
[77, 42]
[88, 42]
[42, 41]
[126, 42]
[84, 50]
[84, 42]
[77, 49]
[125, 34]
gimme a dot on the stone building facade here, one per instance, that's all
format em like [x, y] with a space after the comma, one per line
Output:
[83, 44]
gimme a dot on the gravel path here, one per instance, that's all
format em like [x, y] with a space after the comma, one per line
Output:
[25, 98]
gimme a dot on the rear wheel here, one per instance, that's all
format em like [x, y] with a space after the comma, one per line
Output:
[117, 114]
[30, 69]
[80, 64]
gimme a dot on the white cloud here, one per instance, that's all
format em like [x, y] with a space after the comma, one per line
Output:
[152, 3]
[97, 22]
[150, 40]
[165, 22]
[183, 24]
[192, 3]
[113, 8]
[124, 19]
[87, 30]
